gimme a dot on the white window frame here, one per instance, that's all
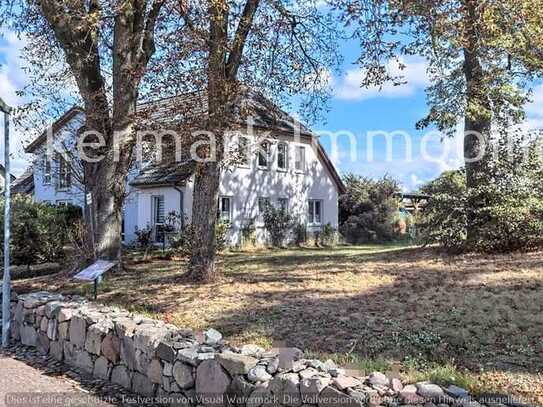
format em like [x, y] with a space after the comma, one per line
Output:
[64, 174]
[285, 145]
[282, 203]
[244, 151]
[221, 212]
[47, 170]
[299, 160]
[63, 202]
[264, 152]
[312, 211]
[154, 216]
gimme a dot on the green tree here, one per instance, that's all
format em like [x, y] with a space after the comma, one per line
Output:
[478, 70]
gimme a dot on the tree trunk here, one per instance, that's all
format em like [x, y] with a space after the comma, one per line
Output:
[204, 215]
[477, 122]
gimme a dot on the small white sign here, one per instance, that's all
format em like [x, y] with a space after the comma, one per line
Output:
[95, 270]
[89, 198]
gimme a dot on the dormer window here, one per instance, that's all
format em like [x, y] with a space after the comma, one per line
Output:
[46, 171]
[64, 174]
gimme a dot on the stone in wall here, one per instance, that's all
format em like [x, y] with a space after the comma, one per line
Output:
[152, 358]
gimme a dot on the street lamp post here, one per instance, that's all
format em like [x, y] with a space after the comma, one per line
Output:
[6, 286]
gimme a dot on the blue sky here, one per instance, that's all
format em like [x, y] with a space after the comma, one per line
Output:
[352, 109]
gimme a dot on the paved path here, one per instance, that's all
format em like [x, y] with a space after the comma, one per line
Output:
[26, 386]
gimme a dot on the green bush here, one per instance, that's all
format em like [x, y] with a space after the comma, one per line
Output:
[39, 231]
[300, 234]
[248, 233]
[367, 211]
[278, 222]
[328, 235]
[221, 234]
[182, 241]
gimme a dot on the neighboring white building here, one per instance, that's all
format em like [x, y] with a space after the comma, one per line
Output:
[275, 167]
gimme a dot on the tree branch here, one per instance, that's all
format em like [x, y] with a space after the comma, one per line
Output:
[244, 27]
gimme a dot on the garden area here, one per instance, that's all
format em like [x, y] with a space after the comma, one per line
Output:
[472, 319]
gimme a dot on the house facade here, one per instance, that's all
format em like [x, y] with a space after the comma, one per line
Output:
[273, 165]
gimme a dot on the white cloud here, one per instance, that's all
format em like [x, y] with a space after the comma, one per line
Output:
[414, 73]
[12, 78]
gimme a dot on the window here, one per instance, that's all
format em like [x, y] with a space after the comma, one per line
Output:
[299, 160]
[225, 208]
[263, 154]
[46, 171]
[158, 217]
[63, 202]
[263, 202]
[64, 174]
[283, 204]
[243, 151]
[314, 214]
[282, 156]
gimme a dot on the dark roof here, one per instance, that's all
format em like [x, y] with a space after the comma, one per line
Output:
[61, 121]
[3, 171]
[24, 184]
[164, 174]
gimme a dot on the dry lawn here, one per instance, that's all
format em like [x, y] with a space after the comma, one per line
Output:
[476, 320]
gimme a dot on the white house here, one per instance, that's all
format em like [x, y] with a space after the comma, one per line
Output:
[275, 164]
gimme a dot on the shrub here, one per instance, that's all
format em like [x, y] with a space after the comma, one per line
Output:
[248, 233]
[221, 234]
[328, 235]
[367, 211]
[278, 223]
[144, 238]
[182, 242]
[300, 234]
[39, 231]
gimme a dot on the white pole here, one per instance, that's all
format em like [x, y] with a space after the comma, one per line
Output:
[6, 286]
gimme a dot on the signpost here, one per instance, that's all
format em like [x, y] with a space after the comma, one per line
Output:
[6, 285]
[94, 273]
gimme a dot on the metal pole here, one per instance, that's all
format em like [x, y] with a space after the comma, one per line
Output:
[6, 287]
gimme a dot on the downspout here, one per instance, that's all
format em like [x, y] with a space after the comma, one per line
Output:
[181, 199]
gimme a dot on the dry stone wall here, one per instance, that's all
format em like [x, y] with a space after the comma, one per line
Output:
[179, 366]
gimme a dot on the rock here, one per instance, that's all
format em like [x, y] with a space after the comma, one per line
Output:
[308, 373]
[168, 369]
[258, 374]
[457, 392]
[65, 314]
[142, 385]
[211, 381]
[142, 361]
[409, 395]
[52, 329]
[396, 384]
[345, 382]
[154, 371]
[205, 356]
[63, 330]
[236, 364]
[56, 350]
[78, 328]
[19, 312]
[165, 351]
[182, 374]
[378, 379]
[286, 387]
[189, 355]
[124, 327]
[128, 352]
[146, 337]
[43, 324]
[429, 390]
[52, 309]
[93, 341]
[70, 353]
[84, 361]
[311, 387]
[261, 396]
[120, 376]
[331, 397]
[252, 350]
[29, 337]
[101, 368]
[212, 337]
[287, 357]
[273, 366]
[111, 347]
[43, 343]
[239, 391]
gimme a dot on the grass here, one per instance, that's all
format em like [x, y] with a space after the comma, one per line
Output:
[473, 320]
